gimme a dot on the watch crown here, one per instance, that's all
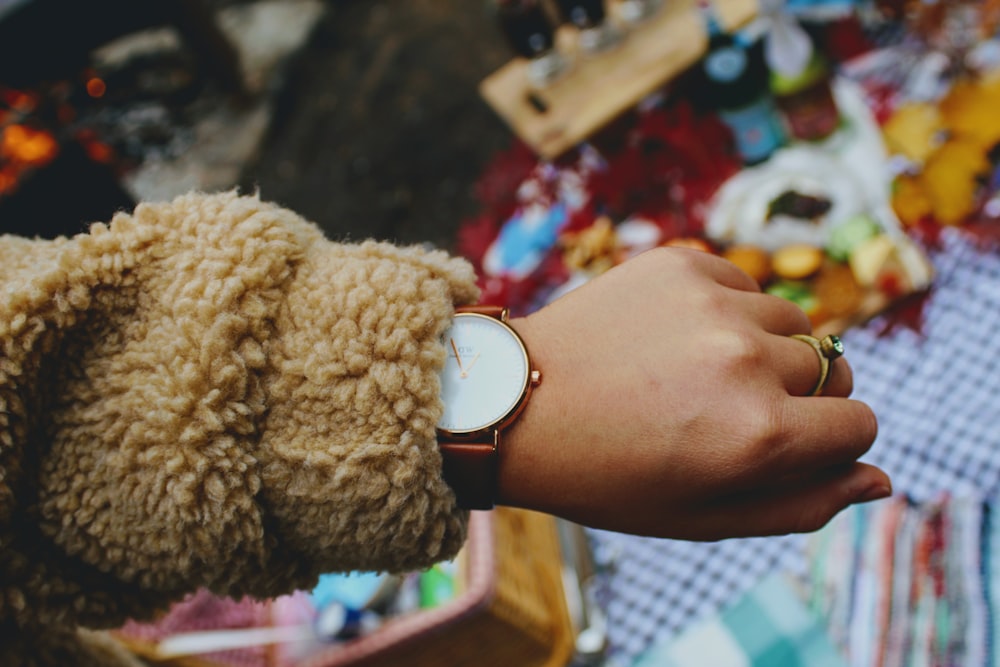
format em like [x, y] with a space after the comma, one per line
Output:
[536, 378]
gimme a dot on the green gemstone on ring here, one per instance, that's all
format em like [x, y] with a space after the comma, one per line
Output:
[832, 347]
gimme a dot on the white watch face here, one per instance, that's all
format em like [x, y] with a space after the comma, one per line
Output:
[485, 374]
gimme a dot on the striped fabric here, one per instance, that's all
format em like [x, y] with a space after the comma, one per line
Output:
[904, 584]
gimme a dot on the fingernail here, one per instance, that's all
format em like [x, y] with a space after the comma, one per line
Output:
[874, 492]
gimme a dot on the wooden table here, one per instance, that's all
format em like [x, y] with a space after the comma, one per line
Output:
[599, 88]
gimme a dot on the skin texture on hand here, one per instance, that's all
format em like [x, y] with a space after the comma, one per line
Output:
[674, 404]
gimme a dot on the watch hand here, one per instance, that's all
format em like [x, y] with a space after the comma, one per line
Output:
[468, 370]
[458, 357]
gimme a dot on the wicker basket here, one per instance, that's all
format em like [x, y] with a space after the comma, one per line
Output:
[511, 611]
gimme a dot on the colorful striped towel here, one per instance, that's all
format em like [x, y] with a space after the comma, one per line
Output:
[906, 584]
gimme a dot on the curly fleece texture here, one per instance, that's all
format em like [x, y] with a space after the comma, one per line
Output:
[209, 393]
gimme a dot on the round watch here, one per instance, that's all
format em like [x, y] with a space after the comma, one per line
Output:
[485, 384]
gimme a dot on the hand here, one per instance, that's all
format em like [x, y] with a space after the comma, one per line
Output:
[673, 403]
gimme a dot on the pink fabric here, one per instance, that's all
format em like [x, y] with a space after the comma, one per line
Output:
[204, 611]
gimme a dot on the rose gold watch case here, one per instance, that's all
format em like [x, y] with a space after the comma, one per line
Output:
[531, 380]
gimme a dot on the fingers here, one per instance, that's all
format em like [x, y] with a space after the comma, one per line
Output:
[821, 432]
[776, 315]
[803, 507]
[723, 271]
[841, 380]
[799, 367]
[796, 362]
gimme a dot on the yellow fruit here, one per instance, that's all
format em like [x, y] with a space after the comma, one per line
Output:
[692, 242]
[869, 258]
[754, 261]
[914, 131]
[797, 261]
[909, 200]
[950, 180]
[837, 290]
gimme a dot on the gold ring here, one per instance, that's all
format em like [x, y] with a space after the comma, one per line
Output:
[827, 349]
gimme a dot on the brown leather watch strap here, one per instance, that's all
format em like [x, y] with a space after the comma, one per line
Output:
[470, 469]
[470, 465]
[498, 312]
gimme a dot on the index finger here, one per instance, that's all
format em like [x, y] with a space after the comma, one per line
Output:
[722, 270]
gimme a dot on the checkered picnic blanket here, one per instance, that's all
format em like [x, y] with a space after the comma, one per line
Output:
[937, 396]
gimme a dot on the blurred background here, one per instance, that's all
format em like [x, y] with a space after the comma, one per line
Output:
[363, 116]
[379, 130]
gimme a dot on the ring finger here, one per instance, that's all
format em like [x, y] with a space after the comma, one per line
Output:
[841, 379]
[802, 369]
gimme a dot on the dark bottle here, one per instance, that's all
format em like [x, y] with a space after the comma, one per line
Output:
[582, 13]
[526, 27]
[737, 88]
[596, 34]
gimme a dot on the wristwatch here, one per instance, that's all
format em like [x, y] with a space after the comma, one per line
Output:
[485, 384]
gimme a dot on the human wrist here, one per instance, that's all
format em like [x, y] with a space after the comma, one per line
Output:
[523, 467]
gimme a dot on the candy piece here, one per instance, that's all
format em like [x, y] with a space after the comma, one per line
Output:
[591, 249]
[692, 242]
[837, 290]
[914, 130]
[637, 235]
[847, 235]
[753, 260]
[970, 110]
[914, 264]
[798, 293]
[910, 200]
[870, 258]
[951, 180]
[797, 261]
[892, 266]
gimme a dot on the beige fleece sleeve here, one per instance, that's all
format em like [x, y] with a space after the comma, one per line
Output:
[208, 393]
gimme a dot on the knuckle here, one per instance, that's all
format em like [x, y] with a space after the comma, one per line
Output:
[763, 438]
[685, 258]
[737, 353]
[793, 314]
[767, 434]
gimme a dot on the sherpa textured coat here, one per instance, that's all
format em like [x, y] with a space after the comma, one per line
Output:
[208, 393]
